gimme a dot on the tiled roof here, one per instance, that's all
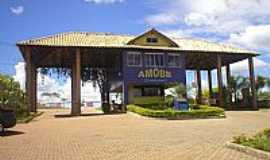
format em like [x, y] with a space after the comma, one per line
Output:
[106, 40]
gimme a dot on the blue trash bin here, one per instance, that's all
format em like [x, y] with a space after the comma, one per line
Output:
[183, 105]
[176, 105]
[180, 105]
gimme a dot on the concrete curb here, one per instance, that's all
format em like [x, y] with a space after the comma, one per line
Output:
[250, 151]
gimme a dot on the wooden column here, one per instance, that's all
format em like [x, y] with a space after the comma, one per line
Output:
[210, 85]
[199, 85]
[220, 83]
[34, 89]
[228, 76]
[252, 82]
[30, 81]
[76, 84]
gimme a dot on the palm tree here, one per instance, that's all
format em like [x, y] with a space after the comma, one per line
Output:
[262, 82]
[237, 84]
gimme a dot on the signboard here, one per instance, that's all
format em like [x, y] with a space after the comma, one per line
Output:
[154, 73]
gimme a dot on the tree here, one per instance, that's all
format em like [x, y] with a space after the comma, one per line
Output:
[237, 84]
[178, 90]
[261, 82]
[101, 78]
[11, 95]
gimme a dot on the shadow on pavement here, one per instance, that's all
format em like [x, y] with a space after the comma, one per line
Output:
[10, 133]
[85, 115]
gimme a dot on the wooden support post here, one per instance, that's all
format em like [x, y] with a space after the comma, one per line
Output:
[30, 82]
[252, 83]
[220, 83]
[228, 76]
[34, 89]
[76, 84]
[210, 86]
[199, 85]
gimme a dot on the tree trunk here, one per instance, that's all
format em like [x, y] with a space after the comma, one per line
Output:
[108, 97]
[103, 97]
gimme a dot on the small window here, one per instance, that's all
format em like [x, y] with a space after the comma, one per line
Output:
[152, 40]
[174, 60]
[154, 60]
[134, 59]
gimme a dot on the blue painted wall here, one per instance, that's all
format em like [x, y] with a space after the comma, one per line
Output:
[130, 74]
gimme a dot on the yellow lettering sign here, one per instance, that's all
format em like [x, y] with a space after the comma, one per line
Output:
[154, 73]
[141, 74]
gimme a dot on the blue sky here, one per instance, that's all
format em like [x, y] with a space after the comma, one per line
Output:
[244, 24]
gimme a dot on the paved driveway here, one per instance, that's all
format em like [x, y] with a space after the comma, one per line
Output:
[128, 136]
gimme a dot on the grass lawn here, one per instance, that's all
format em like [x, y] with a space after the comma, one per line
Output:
[260, 140]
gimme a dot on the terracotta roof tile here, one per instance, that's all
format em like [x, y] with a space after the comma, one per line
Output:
[107, 40]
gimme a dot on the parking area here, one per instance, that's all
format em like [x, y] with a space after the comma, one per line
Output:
[128, 136]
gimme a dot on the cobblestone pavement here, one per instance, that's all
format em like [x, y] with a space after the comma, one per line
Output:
[129, 137]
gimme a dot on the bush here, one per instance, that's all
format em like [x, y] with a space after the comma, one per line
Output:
[203, 112]
[12, 97]
[169, 101]
[191, 101]
[194, 106]
[260, 140]
[106, 108]
[156, 103]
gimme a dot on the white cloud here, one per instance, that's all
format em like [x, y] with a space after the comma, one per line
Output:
[20, 74]
[162, 19]
[196, 19]
[176, 33]
[242, 66]
[223, 17]
[104, 1]
[256, 37]
[17, 10]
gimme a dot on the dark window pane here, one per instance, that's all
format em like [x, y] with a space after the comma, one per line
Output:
[134, 59]
[151, 40]
[174, 60]
[152, 60]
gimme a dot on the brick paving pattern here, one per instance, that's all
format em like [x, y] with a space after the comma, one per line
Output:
[129, 137]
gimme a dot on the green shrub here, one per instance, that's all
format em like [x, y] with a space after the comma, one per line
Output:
[240, 139]
[156, 103]
[106, 107]
[203, 112]
[169, 101]
[12, 97]
[191, 101]
[194, 106]
[260, 140]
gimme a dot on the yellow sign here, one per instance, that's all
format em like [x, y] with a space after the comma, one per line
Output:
[155, 73]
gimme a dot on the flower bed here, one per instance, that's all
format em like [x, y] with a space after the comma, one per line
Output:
[202, 112]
